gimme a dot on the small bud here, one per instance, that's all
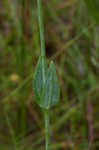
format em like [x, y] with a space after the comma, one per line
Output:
[46, 93]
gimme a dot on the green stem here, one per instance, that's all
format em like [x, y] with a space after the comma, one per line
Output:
[41, 26]
[47, 130]
[42, 39]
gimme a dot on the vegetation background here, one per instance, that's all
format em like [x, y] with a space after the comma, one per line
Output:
[70, 42]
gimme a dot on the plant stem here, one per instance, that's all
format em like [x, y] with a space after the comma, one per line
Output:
[47, 130]
[41, 26]
[42, 39]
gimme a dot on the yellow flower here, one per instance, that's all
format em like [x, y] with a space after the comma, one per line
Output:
[14, 77]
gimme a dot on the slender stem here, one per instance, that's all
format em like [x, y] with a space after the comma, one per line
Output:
[47, 130]
[41, 26]
[42, 39]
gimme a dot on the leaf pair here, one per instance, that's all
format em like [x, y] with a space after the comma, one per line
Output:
[45, 84]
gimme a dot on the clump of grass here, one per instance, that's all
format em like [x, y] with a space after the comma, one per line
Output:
[45, 83]
[93, 10]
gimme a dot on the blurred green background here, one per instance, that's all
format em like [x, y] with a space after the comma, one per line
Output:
[71, 41]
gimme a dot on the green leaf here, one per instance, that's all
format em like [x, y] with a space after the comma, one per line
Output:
[51, 88]
[38, 82]
[46, 91]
